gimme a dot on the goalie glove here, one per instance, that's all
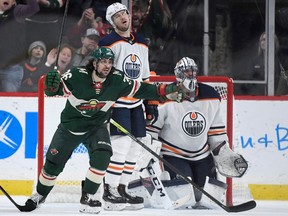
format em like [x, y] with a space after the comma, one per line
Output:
[170, 91]
[52, 83]
[151, 110]
[229, 163]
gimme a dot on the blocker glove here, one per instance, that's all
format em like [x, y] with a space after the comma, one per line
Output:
[151, 110]
[52, 83]
[170, 91]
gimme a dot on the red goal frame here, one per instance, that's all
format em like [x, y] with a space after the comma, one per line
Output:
[209, 79]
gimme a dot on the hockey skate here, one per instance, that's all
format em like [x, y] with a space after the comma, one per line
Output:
[34, 201]
[134, 202]
[112, 199]
[89, 204]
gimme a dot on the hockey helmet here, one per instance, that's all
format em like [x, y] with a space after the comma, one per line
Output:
[186, 71]
[103, 53]
[113, 9]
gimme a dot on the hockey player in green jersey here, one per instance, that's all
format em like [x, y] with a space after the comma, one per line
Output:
[91, 90]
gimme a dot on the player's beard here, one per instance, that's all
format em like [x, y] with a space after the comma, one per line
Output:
[123, 28]
[102, 75]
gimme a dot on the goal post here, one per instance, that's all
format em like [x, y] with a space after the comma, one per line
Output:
[224, 85]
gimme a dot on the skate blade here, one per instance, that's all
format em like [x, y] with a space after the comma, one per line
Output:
[134, 206]
[114, 206]
[89, 209]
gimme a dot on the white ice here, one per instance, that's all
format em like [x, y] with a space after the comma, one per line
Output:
[269, 208]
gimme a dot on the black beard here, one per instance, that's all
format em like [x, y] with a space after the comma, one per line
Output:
[100, 75]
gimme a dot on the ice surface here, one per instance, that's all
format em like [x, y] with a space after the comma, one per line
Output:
[268, 208]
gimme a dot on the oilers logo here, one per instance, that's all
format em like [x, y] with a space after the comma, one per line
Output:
[193, 124]
[131, 66]
[10, 134]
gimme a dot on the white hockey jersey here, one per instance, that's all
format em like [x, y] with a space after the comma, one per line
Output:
[188, 129]
[131, 57]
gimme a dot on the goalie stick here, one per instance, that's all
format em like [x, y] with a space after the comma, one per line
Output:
[20, 207]
[237, 208]
[161, 191]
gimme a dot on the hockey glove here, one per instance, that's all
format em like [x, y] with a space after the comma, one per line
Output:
[170, 91]
[151, 110]
[229, 163]
[52, 83]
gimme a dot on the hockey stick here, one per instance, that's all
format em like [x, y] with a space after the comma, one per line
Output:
[161, 191]
[61, 33]
[237, 208]
[20, 207]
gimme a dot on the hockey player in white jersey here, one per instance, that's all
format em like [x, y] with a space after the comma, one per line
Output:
[193, 133]
[131, 57]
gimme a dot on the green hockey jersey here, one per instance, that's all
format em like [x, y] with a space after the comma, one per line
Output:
[89, 103]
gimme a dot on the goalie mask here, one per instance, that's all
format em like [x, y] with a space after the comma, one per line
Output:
[113, 9]
[186, 72]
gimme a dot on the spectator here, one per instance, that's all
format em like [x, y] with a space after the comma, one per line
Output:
[104, 28]
[12, 41]
[64, 59]
[89, 44]
[256, 70]
[36, 57]
[86, 21]
[282, 88]
[46, 24]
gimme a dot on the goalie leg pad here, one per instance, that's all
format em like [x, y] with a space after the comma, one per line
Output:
[229, 163]
[167, 194]
[174, 189]
[215, 188]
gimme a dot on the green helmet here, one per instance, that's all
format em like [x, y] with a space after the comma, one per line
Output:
[103, 53]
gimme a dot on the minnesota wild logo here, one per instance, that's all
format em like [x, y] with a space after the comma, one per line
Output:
[89, 108]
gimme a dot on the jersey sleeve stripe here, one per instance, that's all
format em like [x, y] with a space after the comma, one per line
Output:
[65, 88]
[135, 88]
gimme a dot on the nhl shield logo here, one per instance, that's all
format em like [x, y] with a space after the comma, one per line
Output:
[194, 124]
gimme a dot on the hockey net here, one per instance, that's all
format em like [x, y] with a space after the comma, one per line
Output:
[68, 185]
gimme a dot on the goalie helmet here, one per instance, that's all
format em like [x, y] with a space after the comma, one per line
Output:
[113, 9]
[186, 71]
[103, 53]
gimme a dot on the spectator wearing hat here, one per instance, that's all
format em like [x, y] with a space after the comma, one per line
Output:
[32, 73]
[89, 43]
[12, 41]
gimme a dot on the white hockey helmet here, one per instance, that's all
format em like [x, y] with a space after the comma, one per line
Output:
[186, 71]
[113, 9]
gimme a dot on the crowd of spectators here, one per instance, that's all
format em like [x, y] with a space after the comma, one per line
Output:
[30, 32]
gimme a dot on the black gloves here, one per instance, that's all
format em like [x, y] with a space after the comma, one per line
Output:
[151, 109]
